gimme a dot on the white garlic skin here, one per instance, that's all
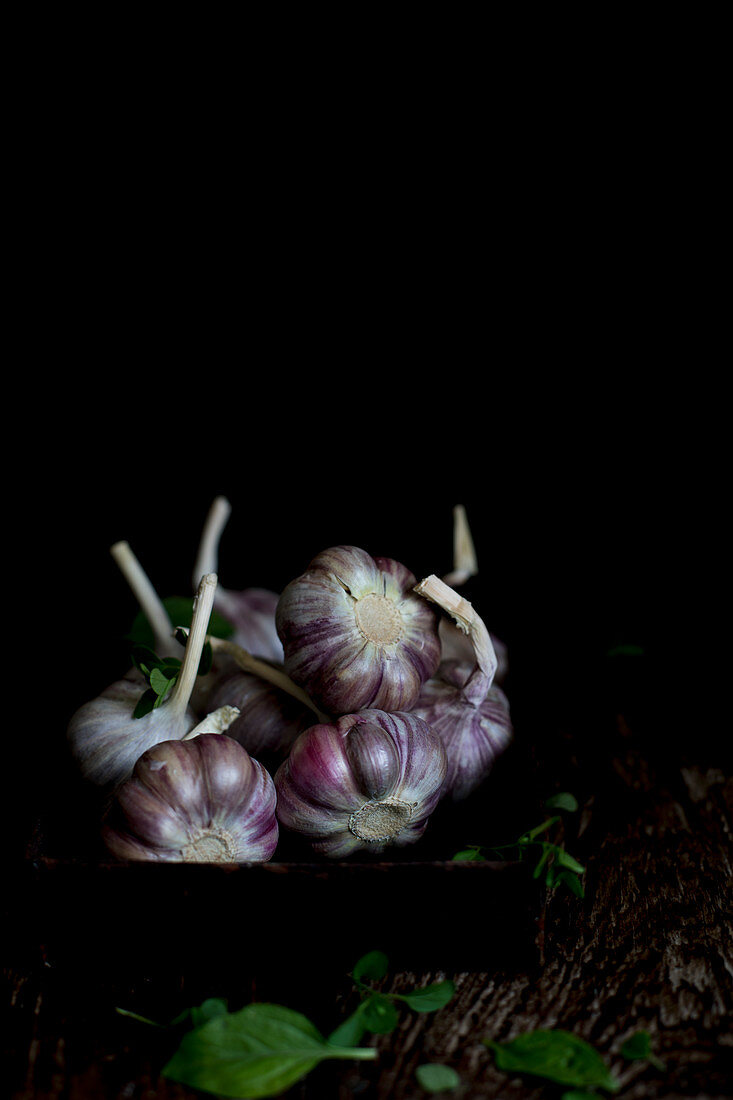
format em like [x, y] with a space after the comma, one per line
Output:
[200, 801]
[474, 734]
[106, 740]
[367, 781]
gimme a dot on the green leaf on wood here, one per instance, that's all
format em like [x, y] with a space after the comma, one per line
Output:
[430, 997]
[259, 1051]
[556, 1055]
[434, 1077]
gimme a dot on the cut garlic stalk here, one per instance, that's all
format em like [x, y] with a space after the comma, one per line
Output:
[251, 611]
[465, 565]
[151, 605]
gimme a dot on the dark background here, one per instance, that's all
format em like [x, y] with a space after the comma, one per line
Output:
[347, 354]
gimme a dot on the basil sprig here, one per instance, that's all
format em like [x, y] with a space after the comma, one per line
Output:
[161, 674]
[377, 1011]
[552, 861]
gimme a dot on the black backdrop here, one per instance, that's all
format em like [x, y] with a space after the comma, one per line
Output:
[358, 404]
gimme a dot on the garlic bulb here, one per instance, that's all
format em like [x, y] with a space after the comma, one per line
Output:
[268, 719]
[203, 800]
[103, 735]
[366, 781]
[250, 611]
[355, 634]
[461, 703]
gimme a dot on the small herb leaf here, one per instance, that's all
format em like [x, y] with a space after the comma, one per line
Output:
[638, 1047]
[566, 860]
[430, 998]
[556, 1055]
[351, 1031]
[257, 1052]
[468, 854]
[562, 801]
[373, 966]
[379, 1014]
[434, 1077]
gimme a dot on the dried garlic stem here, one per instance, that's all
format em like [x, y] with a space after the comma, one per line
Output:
[149, 600]
[267, 672]
[465, 564]
[466, 618]
[202, 605]
[207, 560]
[217, 721]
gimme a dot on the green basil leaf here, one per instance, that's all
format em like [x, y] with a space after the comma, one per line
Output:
[259, 1051]
[556, 1055]
[467, 854]
[145, 704]
[160, 683]
[434, 1077]
[379, 1014]
[566, 860]
[351, 1031]
[638, 1047]
[373, 965]
[573, 883]
[208, 1010]
[577, 1094]
[562, 801]
[430, 997]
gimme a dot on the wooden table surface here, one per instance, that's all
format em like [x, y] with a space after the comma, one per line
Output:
[648, 947]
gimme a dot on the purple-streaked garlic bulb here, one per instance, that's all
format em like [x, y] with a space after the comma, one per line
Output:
[461, 703]
[273, 710]
[250, 611]
[204, 800]
[355, 634]
[365, 781]
[106, 739]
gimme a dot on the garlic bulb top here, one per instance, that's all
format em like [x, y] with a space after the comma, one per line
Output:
[250, 611]
[366, 781]
[355, 634]
[199, 801]
[103, 735]
[461, 703]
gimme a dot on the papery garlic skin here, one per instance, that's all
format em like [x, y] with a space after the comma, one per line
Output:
[269, 719]
[473, 735]
[105, 739]
[200, 801]
[367, 781]
[354, 633]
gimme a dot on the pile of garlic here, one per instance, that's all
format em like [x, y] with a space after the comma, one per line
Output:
[342, 710]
